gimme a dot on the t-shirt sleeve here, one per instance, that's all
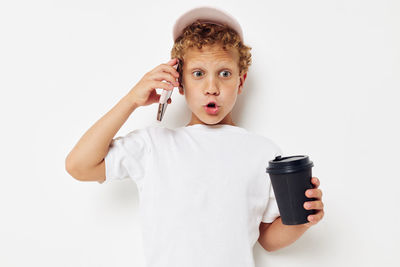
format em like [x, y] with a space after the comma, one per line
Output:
[128, 157]
[272, 211]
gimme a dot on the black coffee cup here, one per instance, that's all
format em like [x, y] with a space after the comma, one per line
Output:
[291, 178]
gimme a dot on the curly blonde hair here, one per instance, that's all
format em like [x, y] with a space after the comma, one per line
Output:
[201, 34]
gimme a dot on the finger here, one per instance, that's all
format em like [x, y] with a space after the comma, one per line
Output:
[316, 217]
[315, 181]
[169, 69]
[164, 76]
[161, 85]
[316, 193]
[172, 61]
[313, 205]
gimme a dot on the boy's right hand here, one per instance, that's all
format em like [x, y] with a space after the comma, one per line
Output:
[144, 92]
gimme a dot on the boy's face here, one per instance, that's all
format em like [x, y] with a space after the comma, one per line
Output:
[211, 74]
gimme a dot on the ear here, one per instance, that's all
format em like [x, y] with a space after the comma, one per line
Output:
[242, 79]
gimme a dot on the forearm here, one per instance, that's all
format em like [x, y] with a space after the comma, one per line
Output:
[278, 235]
[94, 144]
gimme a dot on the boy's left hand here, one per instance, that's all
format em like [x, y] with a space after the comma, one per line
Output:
[316, 204]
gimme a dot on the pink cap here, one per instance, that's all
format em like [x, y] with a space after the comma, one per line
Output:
[206, 14]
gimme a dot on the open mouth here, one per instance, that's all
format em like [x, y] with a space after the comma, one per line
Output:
[211, 108]
[211, 105]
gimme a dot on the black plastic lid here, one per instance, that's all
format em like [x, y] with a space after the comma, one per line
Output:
[282, 165]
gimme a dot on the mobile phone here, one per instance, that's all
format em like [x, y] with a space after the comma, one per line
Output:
[179, 70]
[166, 94]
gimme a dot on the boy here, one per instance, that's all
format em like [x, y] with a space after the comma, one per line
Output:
[205, 196]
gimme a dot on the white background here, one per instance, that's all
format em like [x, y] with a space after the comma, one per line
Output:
[324, 82]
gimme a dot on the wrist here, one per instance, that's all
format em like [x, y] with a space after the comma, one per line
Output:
[130, 102]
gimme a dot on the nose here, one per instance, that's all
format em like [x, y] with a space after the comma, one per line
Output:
[212, 87]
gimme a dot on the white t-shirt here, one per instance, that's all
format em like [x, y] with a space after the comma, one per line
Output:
[203, 191]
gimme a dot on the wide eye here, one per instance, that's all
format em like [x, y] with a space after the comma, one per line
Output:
[226, 73]
[197, 71]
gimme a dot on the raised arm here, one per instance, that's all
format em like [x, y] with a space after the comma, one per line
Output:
[86, 160]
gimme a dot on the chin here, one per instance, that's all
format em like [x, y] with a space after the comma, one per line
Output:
[212, 121]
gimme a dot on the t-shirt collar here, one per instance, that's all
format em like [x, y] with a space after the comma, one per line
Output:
[214, 127]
